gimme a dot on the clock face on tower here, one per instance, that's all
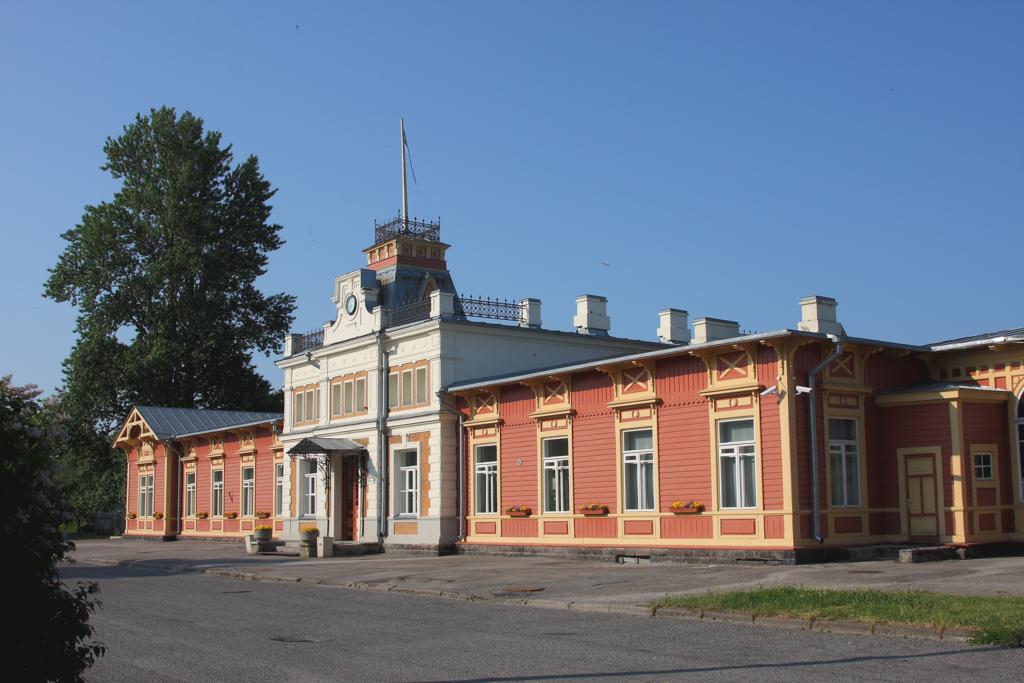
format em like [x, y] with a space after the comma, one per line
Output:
[350, 304]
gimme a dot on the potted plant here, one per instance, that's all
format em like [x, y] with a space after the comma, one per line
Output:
[308, 534]
[594, 509]
[262, 515]
[202, 515]
[694, 507]
[519, 511]
[132, 515]
[231, 515]
[158, 515]
[261, 533]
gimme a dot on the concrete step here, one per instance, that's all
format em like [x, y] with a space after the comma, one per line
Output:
[872, 553]
[929, 554]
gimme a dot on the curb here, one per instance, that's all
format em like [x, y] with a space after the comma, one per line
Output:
[687, 614]
[819, 625]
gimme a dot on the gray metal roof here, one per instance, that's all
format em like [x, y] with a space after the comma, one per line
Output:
[174, 423]
[319, 444]
[1015, 334]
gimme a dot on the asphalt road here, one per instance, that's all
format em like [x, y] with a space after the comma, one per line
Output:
[161, 626]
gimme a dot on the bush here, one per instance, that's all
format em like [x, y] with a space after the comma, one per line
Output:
[52, 637]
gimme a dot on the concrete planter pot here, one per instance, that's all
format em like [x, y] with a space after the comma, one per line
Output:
[261, 535]
[308, 538]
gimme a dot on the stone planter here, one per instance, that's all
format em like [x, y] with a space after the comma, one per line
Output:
[261, 535]
[308, 538]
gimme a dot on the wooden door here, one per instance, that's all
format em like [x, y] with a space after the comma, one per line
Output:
[921, 498]
[349, 496]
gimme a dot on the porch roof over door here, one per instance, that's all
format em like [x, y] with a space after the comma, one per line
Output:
[318, 444]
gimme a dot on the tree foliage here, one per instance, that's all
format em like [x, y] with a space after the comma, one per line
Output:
[51, 635]
[164, 279]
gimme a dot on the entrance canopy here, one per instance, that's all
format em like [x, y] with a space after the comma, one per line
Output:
[312, 445]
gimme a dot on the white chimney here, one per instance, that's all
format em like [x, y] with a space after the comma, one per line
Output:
[592, 315]
[818, 314]
[714, 329]
[672, 326]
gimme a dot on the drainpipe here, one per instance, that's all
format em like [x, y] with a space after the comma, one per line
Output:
[816, 494]
[382, 439]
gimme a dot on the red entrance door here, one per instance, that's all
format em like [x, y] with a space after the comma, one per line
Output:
[349, 500]
[921, 498]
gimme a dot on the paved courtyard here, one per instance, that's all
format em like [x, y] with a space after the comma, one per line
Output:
[162, 626]
[554, 579]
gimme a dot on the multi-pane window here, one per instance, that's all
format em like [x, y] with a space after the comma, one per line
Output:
[393, 390]
[304, 405]
[408, 386]
[218, 493]
[638, 469]
[982, 466]
[348, 397]
[421, 385]
[407, 397]
[146, 495]
[248, 491]
[844, 461]
[736, 464]
[407, 471]
[309, 488]
[486, 487]
[556, 475]
[190, 494]
[279, 489]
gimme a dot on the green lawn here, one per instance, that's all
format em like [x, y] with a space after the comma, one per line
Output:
[998, 620]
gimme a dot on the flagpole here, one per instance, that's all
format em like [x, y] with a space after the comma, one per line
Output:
[405, 186]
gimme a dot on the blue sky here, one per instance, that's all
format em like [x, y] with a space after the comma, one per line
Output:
[722, 157]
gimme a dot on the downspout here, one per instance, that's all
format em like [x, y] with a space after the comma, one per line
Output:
[816, 494]
[181, 497]
[382, 440]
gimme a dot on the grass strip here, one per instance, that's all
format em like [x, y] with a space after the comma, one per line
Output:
[998, 620]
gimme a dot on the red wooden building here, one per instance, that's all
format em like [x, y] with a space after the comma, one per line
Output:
[201, 473]
[704, 449]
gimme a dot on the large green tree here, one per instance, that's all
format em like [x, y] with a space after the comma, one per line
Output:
[164, 279]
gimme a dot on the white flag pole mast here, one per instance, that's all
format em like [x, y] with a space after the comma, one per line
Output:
[405, 186]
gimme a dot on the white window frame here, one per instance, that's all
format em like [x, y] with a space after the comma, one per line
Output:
[249, 492]
[309, 491]
[393, 390]
[407, 388]
[190, 494]
[336, 389]
[145, 495]
[642, 460]
[555, 465]
[360, 405]
[737, 451]
[990, 466]
[298, 410]
[422, 390]
[845, 448]
[311, 411]
[217, 501]
[407, 483]
[489, 470]
[278, 489]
